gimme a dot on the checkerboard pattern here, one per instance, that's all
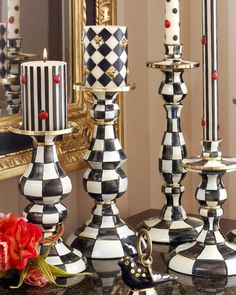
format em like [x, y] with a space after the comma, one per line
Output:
[211, 149]
[45, 184]
[210, 254]
[173, 89]
[173, 148]
[105, 56]
[104, 108]
[173, 225]
[105, 235]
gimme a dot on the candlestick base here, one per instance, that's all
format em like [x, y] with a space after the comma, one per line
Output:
[105, 235]
[210, 254]
[174, 231]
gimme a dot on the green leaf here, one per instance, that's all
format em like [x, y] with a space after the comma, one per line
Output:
[57, 272]
[42, 266]
[23, 275]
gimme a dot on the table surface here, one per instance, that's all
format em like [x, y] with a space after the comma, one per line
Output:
[106, 278]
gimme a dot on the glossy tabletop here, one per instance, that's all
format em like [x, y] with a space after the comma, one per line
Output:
[106, 278]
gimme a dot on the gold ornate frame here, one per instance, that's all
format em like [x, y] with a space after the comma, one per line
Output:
[72, 148]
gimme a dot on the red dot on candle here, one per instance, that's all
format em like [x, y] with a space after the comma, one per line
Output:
[57, 79]
[167, 24]
[23, 79]
[43, 115]
[68, 108]
[204, 40]
[11, 19]
[203, 122]
[214, 75]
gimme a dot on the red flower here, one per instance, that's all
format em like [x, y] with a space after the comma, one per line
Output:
[35, 278]
[18, 239]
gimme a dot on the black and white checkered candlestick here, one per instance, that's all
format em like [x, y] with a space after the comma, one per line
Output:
[210, 254]
[105, 235]
[173, 225]
[45, 184]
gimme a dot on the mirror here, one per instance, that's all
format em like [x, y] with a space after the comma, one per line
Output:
[58, 24]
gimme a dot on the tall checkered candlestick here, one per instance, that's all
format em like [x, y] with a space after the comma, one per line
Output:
[210, 254]
[105, 235]
[45, 183]
[173, 225]
[172, 22]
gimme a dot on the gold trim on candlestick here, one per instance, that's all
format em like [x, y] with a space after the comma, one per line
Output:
[208, 208]
[18, 130]
[21, 56]
[81, 87]
[199, 167]
[174, 65]
[105, 202]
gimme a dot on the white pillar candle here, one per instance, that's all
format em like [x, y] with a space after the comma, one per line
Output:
[44, 95]
[13, 30]
[172, 22]
[210, 70]
[105, 56]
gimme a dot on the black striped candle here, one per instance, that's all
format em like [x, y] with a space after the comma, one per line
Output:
[44, 95]
[210, 70]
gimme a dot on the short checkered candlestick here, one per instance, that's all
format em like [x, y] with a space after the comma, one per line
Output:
[105, 235]
[210, 254]
[173, 225]
[45, 184]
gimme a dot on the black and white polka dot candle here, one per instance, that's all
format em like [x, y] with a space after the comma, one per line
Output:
[44, 95]
[172, 22]
[105, 56]
[210, 70]
[13, 29]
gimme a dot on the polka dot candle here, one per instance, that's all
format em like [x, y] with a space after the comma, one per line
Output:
[172, 27]
[13, 30]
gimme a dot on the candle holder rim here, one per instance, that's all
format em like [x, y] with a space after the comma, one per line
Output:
[17, 129]
[229, 166]
[9, 79]
[22, 56]
[211, 141]
[177, 64]
[82, 87]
